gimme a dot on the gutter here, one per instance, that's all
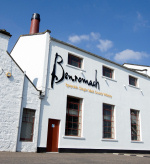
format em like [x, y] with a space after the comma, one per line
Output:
[20, 112]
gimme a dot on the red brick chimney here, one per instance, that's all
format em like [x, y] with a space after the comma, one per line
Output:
[35, 22]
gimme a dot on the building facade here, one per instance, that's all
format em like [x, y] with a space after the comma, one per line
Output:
[17, 95]
[81, 102]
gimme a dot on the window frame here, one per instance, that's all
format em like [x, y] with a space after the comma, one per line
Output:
[108, 68]
[135, 82]
[79, 115]
[80, 63]
[23, 117]
[112, 121]
[138, 135]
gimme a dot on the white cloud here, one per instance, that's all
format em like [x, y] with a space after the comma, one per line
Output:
[78, 38]
[128, 54]
[84, 37]
[104, 45]
[92, 40]
[95, 36]
[140, 22]
[139, 16]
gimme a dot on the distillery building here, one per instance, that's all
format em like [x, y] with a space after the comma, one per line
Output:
[56, 97]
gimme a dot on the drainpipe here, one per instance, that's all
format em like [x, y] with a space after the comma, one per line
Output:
[39, 121]
[20, 112]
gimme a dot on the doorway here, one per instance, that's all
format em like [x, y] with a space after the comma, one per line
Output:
[53, 135]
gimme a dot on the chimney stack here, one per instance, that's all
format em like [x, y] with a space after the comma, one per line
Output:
[4, 39]
[35, 22]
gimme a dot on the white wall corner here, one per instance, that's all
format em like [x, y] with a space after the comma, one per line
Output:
[45, 68]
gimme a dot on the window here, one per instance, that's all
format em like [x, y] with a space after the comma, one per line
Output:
[108, 72]
[73, 116]
[74, 61]
[133, 81]
[135, 125]
[27, 125]
[108, 121]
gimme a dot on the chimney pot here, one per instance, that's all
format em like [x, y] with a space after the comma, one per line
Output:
[35, 21]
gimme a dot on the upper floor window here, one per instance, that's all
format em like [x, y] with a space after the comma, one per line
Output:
[135, 125]
[133, 81]
[108, 72]
[74, 61]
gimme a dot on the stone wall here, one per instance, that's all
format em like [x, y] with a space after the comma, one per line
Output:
[10, 100]
[16, 93]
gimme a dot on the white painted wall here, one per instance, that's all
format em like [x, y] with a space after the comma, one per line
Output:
[10, 99]
[12, 102]
[30, 52]
[31, 101]
[124, 97]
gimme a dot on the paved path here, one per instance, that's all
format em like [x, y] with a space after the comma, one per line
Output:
[72, 158]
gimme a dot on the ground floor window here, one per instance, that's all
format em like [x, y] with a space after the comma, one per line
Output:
[135, 125]
[108, 121]
[27, 125]
[73, 116]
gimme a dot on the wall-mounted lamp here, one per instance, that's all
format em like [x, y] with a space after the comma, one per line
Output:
[8, 74]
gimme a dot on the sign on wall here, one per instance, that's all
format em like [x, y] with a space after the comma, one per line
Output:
[67, 76]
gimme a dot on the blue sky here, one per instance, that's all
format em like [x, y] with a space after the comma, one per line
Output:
[118, 30]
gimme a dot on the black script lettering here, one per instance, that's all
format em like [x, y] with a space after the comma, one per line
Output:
[66, 75]
[76, 78]
[85, 81]
[70, 77]
[54, 70]
[79, 79]
[96, 83]
[90, 82]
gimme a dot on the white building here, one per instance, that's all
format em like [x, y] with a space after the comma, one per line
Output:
[81, 102]
[139, 68]
[17, 93]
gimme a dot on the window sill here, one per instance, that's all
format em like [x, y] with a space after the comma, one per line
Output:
[133, 86]
[137, 142]
[75, 68]
[109, 140]
[73, 137]
[107, 78]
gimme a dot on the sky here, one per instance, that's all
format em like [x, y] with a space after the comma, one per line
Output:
[118, 30]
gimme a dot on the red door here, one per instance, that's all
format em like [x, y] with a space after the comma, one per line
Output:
[53, 134]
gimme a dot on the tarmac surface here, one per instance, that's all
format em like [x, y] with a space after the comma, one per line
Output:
[72, 158]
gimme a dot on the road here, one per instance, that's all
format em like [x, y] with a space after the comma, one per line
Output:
[71, 158]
